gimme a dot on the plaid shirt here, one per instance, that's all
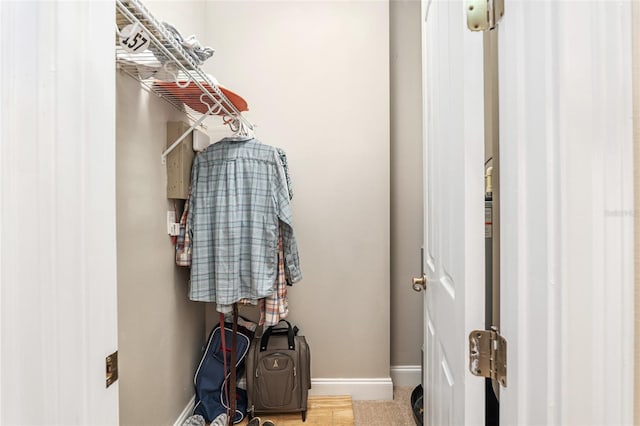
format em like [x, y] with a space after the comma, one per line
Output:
[239, 195]
[276, 306]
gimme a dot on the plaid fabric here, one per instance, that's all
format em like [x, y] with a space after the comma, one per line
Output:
[239, 195]
[183, 241]
[276, 307]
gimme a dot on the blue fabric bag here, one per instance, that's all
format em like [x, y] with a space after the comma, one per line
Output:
[210, 379]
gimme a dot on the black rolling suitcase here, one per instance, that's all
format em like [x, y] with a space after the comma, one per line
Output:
[278, 372]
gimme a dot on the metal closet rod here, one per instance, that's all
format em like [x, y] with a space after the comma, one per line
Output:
[222, 103]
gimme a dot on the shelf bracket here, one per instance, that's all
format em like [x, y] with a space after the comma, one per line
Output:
[163, 157]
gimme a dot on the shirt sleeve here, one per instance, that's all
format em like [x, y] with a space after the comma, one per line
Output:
[285, 167]
[281, 191]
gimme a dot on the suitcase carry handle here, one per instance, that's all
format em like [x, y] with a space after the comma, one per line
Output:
[289, 331]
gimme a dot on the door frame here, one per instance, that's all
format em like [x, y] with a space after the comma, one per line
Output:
[635, 28]
[58, 304]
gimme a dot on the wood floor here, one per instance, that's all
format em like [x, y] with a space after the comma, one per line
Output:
[342, 411]
[321, 411]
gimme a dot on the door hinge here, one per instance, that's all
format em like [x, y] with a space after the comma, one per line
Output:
[112, 368]
[483, 15]
[488, 355]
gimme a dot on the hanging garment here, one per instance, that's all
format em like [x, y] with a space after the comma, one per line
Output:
[183, 240]
[239, 196]
[285, 166]
[275, 307]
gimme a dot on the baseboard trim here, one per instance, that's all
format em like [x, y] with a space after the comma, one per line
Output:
[186, 413]
[406, 375]
[359, 389]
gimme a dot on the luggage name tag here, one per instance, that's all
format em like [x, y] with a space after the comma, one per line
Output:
[134, 39]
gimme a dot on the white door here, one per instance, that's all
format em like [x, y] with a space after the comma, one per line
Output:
[454, 223]
[566, 212]
[566, 150]
[58, 300]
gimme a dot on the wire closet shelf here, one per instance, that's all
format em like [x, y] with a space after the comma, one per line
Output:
[159, 62]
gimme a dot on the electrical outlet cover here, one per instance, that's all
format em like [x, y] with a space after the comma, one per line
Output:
[171, 219]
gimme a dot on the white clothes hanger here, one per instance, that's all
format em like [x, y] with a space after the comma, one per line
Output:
[238, 127]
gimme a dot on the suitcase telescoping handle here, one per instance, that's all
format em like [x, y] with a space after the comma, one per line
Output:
[289, 331]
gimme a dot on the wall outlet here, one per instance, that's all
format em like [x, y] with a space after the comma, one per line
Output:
[175, 229]
[171, 220]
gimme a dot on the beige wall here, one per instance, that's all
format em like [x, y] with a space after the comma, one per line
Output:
[316, 77]
[160, 332]
[406, 181]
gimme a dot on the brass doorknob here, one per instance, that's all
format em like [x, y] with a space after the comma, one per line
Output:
[420, 284]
